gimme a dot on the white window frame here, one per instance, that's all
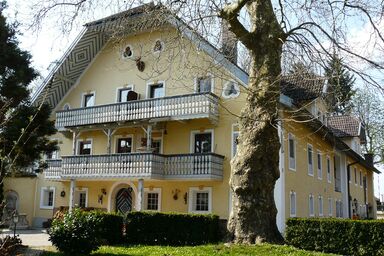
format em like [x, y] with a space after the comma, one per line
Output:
[310, 166]
[153, 190]
[148, 89]
[321, 206]
[361, 178]
[128, 57]
[311, 204]
[192, 191]
[291, 161]
[82, 189]
[78, 145]
[212, 82]
[126, 87]
[192, 139]
[329, 169]
[330, 206]
[88, 93]
[237, 87]
[291, 212]
[117, 137]
[355, 173]
[161, 139]
[319, 168]
[233, 134]
[42, 191]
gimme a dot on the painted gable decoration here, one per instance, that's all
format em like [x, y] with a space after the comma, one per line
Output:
[231, 90]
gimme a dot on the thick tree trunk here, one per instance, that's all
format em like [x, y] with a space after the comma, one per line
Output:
[255, 167]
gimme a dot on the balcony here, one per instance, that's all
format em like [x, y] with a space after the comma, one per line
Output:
[183, 107]
[207, 166]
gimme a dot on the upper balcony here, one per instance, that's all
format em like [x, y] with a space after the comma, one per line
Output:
[201, 166]
[183, 107]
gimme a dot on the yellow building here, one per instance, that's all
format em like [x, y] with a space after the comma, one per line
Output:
[146, 112]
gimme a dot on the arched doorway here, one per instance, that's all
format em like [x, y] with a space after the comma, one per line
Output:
[124, 200]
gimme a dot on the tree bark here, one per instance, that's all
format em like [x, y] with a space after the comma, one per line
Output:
[255, 167]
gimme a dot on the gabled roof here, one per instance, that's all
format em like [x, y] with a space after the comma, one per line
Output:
[300, 87]
[97, 33]
[346, 126]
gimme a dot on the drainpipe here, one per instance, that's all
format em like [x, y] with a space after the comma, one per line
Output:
[349, 189]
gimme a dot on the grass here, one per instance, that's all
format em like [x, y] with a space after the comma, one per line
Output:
[265, 249]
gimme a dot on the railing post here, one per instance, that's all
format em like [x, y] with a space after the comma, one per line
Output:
[149, 138]
[140, 195]
[72, 194]
[109, 133]
[75, 135]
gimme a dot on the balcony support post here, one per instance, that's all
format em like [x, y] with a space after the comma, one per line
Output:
[109, 132]
[149, 138]
[72, 194]
[75, 136]
[140, 195]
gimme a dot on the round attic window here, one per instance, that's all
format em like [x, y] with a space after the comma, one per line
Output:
[158, 46]
[127, 53]
[231, 90]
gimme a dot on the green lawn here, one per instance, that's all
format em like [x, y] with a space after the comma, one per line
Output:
[221, 249]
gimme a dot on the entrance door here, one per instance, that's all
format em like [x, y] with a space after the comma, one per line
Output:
[124, 200]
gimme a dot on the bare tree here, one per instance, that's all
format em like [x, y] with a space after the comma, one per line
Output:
[271, 31]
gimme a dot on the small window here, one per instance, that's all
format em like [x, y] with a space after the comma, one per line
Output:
[158, 46]
[355, 172]
[123, 94]
[47, 198]
[235, 135]
[88, 100]
[124, 145]
[360, 178]
[81, 197]
[292, 204]
[85, 147]
[329, 176]
[311, 206]
[200, 200]
[330, 207]
[156, 91]
[204, 84]
[128, 52]
[310, 160]
[231, 90]
[152, 199]
[156, 145]
[292, 152]
[319, 166]
[320, 206]
[339, 209]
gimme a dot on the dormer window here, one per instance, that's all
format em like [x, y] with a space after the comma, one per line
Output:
[127, 53]
[158, 47]
[231, 90]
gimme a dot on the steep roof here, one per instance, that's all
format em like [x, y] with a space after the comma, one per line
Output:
[302, 87]
[97, 33]
[344, 126]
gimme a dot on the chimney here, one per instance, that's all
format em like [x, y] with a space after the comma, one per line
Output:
[369, 158]
[228, 43]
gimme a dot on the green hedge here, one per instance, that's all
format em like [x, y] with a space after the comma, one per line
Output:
[340, 236]
[110, 227]
[171, 228]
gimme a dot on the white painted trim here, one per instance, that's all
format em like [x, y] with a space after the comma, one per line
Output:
[120, 136]
[292, 137]
[191, 199]
[88, 93]
[154, 190]
[150, 83]
[321, 214]
[128, 86]
[208, 74]
[236, 84]
[78, 145]
[319, 170]
[47, 189]
[309, 146]
[290, 204]
[82, 189]
[192, 139]
[309, 205]
[112, 191]
[330, 206]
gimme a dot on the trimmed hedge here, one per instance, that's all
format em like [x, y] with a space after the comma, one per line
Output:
[340, 236]
[109, 227]
[171, 228]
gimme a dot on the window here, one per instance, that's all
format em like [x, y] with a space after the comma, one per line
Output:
[329, 176]
[360, 179]
[88, 100]
[330, 207]
[204, 84]
[292, 204]
[230, 90]
[128, 52]
[319, 166]
[85, 147]
[156, 90]
[47, 197]
[311, 206]
[123, 94]
[310, 160]
[339, 209]
[320, 206]
[355, 171]
[124, 145]
[292, 152]
[152, 199]
[158, 46]
[81, 197]
[156, 145]
[200, 200]
[202, 142]
[235, 135]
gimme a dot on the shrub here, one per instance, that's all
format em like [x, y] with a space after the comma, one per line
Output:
[171, 228]
[109, 228]
[340, 236]
[9, 245]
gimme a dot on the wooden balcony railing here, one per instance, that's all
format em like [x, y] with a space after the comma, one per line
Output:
[137, 165]
[191, 106]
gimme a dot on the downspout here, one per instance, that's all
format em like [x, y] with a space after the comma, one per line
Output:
[349, 190]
